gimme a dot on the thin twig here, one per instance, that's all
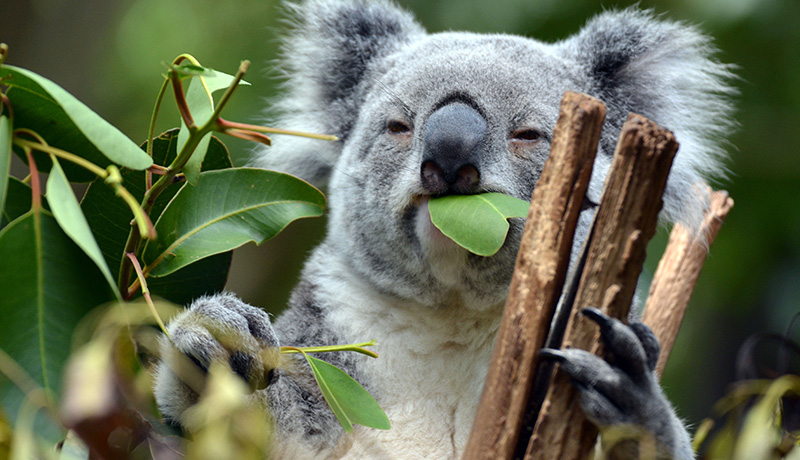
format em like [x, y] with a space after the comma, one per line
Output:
[146, 292]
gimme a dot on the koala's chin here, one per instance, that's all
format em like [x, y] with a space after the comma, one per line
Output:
[447, 259]
[456, 276]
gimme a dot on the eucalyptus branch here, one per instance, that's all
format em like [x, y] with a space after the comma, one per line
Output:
[143, 222]
[152, 129]
[71, 157]
[146, 291]
[226, 96]
[157, 169]
[357, 347]
[36, 188]
[180, 100]
[110, 175]
[225, 126]
[196, 134]
[6, 103]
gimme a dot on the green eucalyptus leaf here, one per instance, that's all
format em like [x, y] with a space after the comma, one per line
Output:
[109, 218]
[200, 101]
[225, 210]
[349, 401]
[48, 285]
[68, 213]
[5, 157]
[18, 201]
[478, 223]
[66, 123]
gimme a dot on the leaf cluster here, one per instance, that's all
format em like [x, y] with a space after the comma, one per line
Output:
[158, 221]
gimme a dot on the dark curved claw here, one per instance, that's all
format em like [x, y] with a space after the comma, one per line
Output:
[597, 316]
[551, 354]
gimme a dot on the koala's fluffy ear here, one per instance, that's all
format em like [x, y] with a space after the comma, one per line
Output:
[665, 71]
[328, 60]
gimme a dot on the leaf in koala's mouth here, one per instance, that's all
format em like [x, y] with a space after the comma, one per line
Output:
[478, 223]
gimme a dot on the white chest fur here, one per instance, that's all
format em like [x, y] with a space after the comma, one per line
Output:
[428, 378]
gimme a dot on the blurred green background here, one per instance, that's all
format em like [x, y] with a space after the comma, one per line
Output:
[109, 53]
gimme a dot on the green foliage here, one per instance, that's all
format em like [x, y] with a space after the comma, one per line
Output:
[479, 223]
[349, 401]
[45, 108]
[193, 226]
[48, 285]
[200, 102]
[753, 428]
[60, 259]
[70, 218]
[18, 201]
[105, 213]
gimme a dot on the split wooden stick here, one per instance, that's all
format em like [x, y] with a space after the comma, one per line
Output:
[538, 278]
[626, 221]
[677, 274]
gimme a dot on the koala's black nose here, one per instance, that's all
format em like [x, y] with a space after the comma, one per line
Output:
[454, 137]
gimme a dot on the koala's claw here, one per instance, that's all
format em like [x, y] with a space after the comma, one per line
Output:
[551, 354]
[597, 316]
[633, 348]
[621, 391]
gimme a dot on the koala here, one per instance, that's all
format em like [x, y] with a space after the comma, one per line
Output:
[420, 115]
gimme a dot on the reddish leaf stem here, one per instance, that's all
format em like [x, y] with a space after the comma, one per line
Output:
[36, 189]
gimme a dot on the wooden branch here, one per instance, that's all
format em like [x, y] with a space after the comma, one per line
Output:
[677, 274]
[625, 223]
[538, 278]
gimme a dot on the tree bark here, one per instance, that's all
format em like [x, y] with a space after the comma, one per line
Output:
[625, 223]
[677, 274]
[541, 267]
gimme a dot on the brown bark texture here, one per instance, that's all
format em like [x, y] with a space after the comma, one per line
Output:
[677, 274]
[625, 223]
[538, 278]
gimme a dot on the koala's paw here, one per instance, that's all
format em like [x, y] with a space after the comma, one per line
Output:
[214, 328]
[622, 396]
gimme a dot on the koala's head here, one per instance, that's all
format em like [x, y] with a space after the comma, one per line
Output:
[421, 115]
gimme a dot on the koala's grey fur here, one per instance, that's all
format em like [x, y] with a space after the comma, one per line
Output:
[368, 73]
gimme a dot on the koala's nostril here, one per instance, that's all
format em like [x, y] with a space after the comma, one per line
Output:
[433, 178]
[468, 178]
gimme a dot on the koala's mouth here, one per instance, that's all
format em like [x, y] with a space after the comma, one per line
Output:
[430, 237]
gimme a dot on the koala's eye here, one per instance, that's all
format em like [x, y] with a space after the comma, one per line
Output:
[527, 134]
[397, 127]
